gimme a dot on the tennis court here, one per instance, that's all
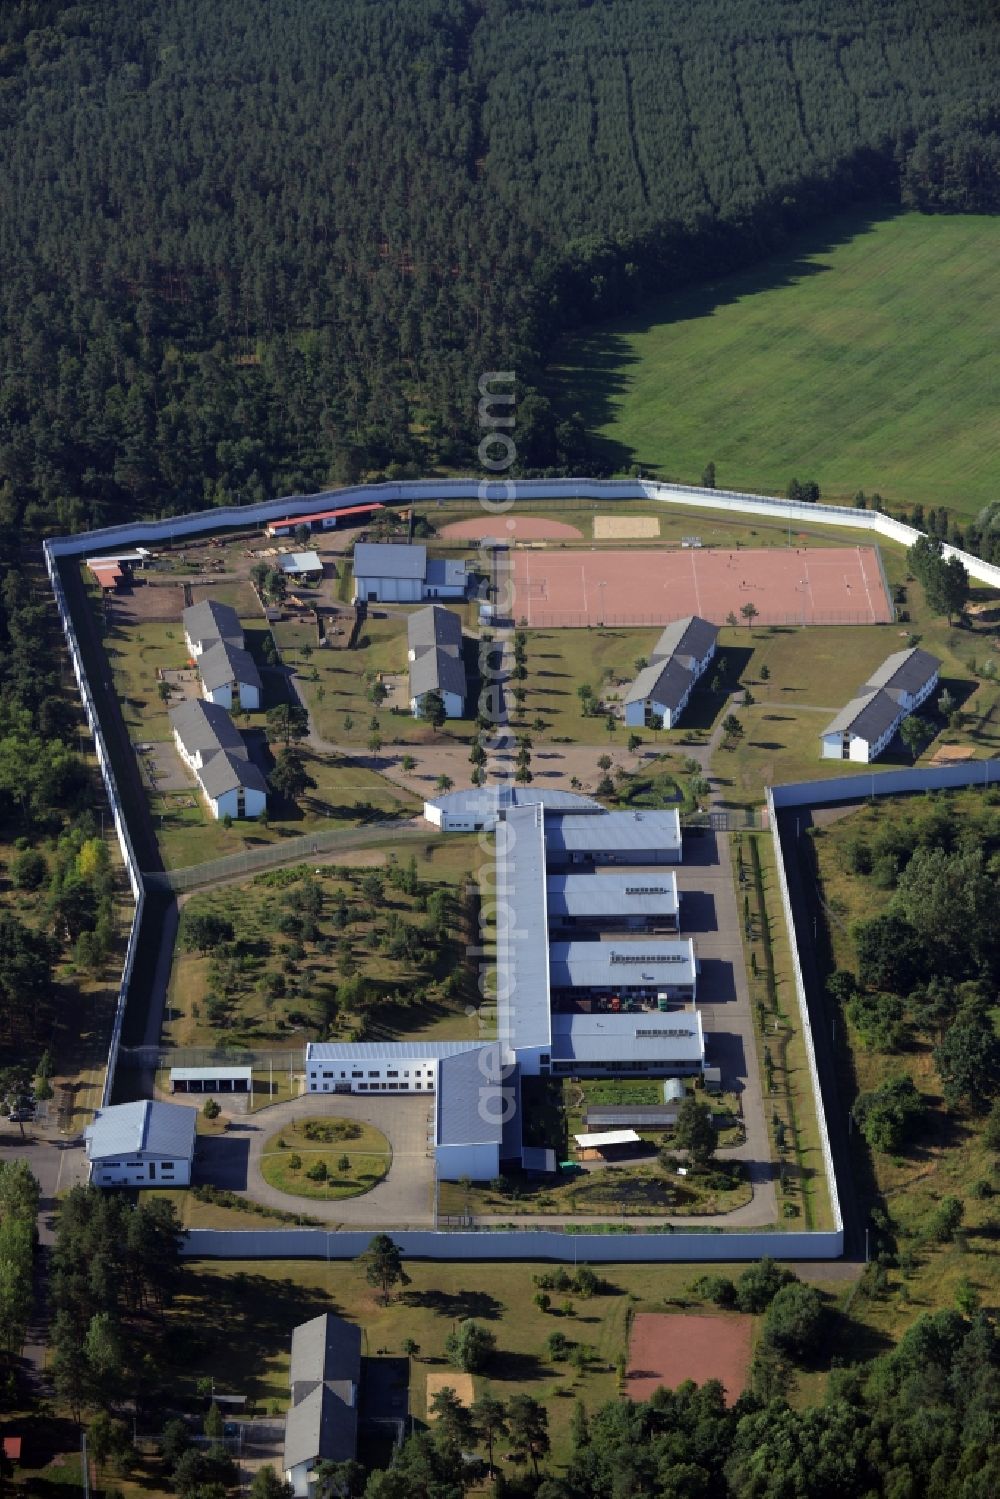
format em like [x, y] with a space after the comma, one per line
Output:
[781, 585]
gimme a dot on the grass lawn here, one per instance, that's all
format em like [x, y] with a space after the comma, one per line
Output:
[324, 1143]
[234, 1321]
[790, 1103]
[345, 796]
[336, 683]
[950, 1156]
[813, 673]
[346, 974]
[861, 357]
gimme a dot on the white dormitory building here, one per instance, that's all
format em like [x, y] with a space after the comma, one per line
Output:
[866, 727]
[208, 622]
[661, 690]
[324, 1377]
[210, 744]
[214, 638]
[395, 572]
[434, 651]
[229, 677]
[143, 1144]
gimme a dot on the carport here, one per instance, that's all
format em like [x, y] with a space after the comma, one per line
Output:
[211, 1079]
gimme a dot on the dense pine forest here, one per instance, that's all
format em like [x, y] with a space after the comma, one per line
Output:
[251, 247]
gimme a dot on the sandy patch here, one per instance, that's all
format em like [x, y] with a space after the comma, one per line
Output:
[511, 528]
[625, 527]
[952, 754]
[450, 1380]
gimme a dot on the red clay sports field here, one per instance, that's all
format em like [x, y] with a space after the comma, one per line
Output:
[666, 1349]
[786, 585]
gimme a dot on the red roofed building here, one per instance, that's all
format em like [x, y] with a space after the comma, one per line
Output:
[325, 519]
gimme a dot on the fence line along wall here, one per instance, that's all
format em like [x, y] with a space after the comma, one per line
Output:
[545, 1244]
[117, 812]
[860, 788]
[497, 497]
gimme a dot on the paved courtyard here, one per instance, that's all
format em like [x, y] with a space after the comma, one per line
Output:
[404, 1199]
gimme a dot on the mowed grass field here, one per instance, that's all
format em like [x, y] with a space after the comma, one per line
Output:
[862, 358]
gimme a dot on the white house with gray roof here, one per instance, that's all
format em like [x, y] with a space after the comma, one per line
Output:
[208, 622]
[142, 1144]
[866, 727]
[230, 677]
[434, 651]
[325, 1379]
[210, 744]
[394, 572]
[661, 690]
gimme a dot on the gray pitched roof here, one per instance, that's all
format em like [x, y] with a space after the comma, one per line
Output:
[438, 671]
[905, 671]
[470, 1098]
[210, 620]
[325, 1348]
[868, 716]
[324, 1424]
[226, 771]
[390, 559]
[434, 625]
[206, 727]
[150, 1127]
[224, 662]
[691, 636]
[665, 682]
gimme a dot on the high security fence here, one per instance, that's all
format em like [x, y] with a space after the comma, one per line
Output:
[569, 619]
[494, 497]
[287, 851]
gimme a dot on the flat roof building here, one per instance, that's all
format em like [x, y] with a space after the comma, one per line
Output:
[480, 808]
[635, 968]
[647, 837]
[631, 902]
[648, 1044]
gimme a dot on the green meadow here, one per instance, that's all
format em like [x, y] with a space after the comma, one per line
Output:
[863, 357]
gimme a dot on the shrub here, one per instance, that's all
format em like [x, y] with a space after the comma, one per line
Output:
[759, 1284]
[317, 1172]
[794, 1320]
[211, 1109]
[715, 1288]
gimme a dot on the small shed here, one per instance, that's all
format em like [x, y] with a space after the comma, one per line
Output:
[211, 1079]
[301, 564]
[595, 1147]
